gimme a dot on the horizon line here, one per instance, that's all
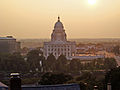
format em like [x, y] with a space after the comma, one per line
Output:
[75, 38]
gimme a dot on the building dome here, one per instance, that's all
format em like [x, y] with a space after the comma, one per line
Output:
[58, 24]
[58, 32]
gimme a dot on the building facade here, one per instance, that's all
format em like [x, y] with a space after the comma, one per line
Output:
[9, 45]
[59, 44]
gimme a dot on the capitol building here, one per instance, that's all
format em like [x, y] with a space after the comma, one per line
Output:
[59, 44]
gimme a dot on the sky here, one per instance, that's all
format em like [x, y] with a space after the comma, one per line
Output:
[36, 18]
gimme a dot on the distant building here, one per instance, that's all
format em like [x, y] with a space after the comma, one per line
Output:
[59, 44]
[9, 45]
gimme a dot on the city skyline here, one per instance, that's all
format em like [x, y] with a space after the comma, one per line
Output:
[36, 18]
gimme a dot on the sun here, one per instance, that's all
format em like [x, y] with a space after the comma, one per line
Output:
[91, 2]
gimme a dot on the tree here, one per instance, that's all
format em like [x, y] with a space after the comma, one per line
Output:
[113, 76]
[54, 78]
[13, 63]
[61, 64]
[33, 58]
[75, 66]
[116, 49]
[110, 63]
[50, 63]
[42, 63]
[88, 80]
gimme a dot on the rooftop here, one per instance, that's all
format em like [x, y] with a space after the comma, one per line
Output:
[7, 38]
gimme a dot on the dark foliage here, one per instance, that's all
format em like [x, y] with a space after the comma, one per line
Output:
[54, 78]
[13, 63]
[116, 50]
[113, 76]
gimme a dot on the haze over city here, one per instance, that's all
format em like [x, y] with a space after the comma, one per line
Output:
[81, 18]
[59, 44]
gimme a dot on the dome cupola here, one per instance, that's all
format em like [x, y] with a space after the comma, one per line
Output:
[58, 24]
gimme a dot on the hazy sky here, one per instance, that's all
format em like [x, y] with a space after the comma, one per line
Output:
[36, 18]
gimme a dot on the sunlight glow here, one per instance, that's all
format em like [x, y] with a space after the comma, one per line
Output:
[91, 2]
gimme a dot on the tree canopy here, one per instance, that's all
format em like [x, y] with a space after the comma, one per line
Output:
[54, 78]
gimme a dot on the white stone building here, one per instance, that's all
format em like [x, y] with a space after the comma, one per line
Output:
[59, 44]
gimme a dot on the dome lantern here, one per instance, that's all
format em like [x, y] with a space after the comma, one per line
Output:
[58, 24]
[58, 19]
